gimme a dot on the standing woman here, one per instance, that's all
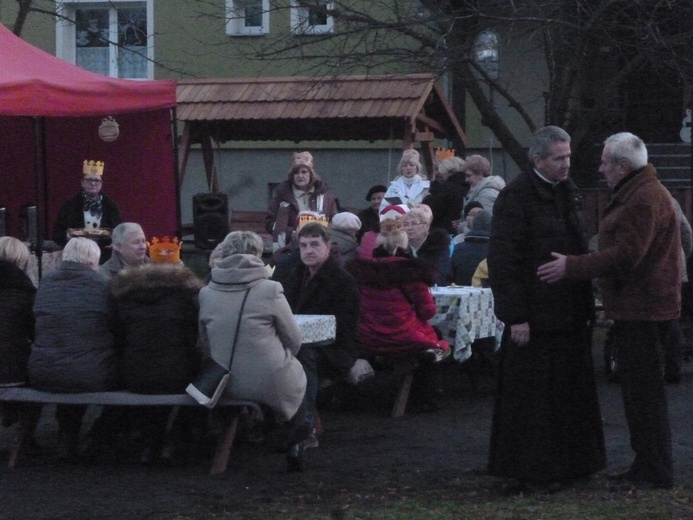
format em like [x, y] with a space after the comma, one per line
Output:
[303, 190]
[411, 187]
[483, 187]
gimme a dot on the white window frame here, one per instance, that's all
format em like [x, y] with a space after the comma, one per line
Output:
[235, 19]
[299, 18]
[65, 35]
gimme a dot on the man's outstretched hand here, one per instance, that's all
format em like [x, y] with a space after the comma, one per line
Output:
[553, 271]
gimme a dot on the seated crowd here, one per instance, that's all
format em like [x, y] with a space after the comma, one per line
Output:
[144, 323]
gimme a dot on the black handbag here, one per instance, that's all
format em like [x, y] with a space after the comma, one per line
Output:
[212, 378]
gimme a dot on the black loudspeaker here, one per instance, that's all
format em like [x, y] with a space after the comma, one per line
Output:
[210, 219]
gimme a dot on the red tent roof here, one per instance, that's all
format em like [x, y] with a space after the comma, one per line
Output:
[35, 83]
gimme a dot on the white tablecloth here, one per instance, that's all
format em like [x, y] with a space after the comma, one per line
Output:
[317, 328]
[464, 314]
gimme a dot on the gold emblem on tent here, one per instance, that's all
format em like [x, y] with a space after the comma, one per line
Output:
[108, 130]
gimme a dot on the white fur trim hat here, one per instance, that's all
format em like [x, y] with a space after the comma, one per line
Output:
[346, 221]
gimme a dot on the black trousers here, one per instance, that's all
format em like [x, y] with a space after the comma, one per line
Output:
[644, 399]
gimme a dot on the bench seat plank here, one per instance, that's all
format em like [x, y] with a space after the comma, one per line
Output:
[119, 398]
[23, 394]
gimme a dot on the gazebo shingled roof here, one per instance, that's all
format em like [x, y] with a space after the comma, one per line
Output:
[411, 107]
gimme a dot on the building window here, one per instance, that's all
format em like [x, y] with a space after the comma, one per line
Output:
[247, 17]
[311, 16]
[107, 37]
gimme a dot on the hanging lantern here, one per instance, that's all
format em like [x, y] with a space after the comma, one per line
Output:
[108, 130]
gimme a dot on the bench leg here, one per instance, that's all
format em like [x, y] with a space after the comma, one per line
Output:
[407, 369]
[223, 451]
[28, 418]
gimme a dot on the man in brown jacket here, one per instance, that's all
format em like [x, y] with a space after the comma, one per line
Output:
[638, 265]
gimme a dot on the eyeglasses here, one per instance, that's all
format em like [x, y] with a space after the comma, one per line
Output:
[92, 181]
[412, 224]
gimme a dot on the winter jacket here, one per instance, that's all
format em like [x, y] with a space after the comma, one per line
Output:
[446, 201]
[74, 349]
[264, 368]
[115, 264]
[345, 242]
[16, 323]
[485, 192]
[396, 305]
[638, 262]
[409, 194]
[283, 209]
[436, 251]
[531, 219]
[155, 314]
[467, 255]
[332, 290]
[71, 215]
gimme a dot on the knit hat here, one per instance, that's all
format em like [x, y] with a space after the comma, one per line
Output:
[392, 218]
[378, 188]
[470, 206]
[346, 221]
[303, 158]
[411, 155]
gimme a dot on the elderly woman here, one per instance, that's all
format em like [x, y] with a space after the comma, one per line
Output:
[74, 349]
[264, 368]
[343, 229]
[430, 245]
[396, 303]
[483, 187]
[410, 187]
[303, 190]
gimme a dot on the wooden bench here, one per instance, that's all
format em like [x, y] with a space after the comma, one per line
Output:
[123, 398]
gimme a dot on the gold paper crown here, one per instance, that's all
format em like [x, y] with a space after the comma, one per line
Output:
[309, 216]
[93, 168]
[442, 154]
[390, 227]
[164, 251]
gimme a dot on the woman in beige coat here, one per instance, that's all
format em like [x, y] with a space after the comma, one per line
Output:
[264, 368]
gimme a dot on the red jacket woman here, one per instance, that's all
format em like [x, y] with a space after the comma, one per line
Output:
[396, 303]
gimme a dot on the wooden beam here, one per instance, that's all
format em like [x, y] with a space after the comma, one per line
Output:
[432, 123]
[183, 152]
[424, 136]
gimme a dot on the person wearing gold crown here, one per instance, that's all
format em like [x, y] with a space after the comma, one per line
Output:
[396, 303]
[411, 186]
[89, 209]
[155, 311]
[303, 190]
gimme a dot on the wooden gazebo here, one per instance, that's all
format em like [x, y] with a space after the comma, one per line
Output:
[409, 107]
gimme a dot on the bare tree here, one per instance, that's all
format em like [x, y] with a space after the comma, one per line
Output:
[587, 49]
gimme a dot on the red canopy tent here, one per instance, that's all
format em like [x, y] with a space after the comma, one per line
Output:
[50, 113]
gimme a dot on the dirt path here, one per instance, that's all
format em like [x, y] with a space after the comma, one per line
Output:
[363, 456]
